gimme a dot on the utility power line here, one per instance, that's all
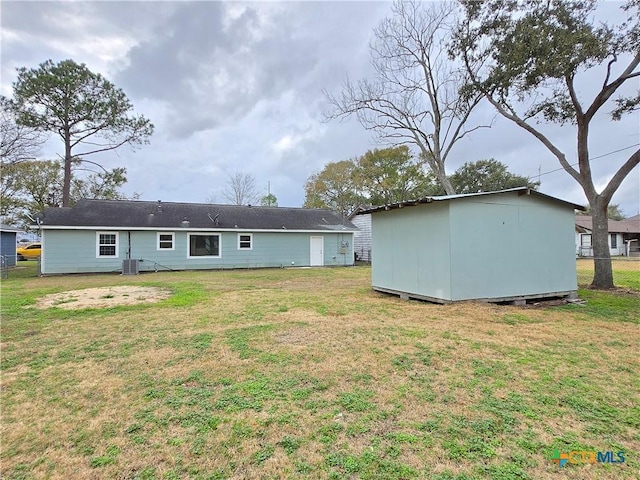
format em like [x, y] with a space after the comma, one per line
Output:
[591, 159]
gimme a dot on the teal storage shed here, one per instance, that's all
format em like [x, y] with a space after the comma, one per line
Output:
[509, 245]
[136, 236]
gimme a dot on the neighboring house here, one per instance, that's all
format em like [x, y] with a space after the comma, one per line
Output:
[495, 246]
[8, 244]
[362, 237]
[116, 235]
[624, 236]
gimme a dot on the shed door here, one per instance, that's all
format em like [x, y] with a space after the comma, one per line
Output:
[317, 251]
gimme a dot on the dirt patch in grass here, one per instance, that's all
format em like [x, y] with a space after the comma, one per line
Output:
[103, 297]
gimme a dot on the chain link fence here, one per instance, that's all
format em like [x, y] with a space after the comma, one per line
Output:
[4, 267]
[626, 272]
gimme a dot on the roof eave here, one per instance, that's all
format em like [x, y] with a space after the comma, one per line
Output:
[411, 203]
[194, 229]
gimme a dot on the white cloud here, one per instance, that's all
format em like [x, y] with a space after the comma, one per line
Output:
[285, 143]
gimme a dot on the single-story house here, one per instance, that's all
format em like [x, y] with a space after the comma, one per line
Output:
[362, 237]
[510, 245]
[8, 244]
[624, 236]
[132, 236]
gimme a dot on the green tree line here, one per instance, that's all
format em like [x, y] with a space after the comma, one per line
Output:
[30, 186]
[394, 174]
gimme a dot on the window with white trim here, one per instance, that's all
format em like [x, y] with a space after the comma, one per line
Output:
[107, 244]
[245, 241]
[166, 241]
[614, 240]
[204, 245]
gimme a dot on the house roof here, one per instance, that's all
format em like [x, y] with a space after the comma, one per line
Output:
[135, 215]
[628, 225]
[445, 198]
[7, 228]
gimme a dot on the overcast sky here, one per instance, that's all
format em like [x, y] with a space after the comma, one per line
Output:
[238, 87]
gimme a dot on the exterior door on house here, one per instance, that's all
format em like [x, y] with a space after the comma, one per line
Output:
[317, 251]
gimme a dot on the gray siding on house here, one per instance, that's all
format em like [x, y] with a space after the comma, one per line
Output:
[362, 238]
[74, 251]
[479, 247]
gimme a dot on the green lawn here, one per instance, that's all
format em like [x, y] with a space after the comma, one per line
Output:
[307, 373]
[626, 272]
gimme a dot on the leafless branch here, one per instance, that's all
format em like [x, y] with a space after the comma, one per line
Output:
[17, 142]
[241, 189]
[415, 95]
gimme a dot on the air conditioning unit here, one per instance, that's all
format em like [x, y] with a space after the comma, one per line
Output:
[131, 267]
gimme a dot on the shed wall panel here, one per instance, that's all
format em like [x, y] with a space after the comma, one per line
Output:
[548, 259]
[484, 248]
[411, 250]
[506, 246]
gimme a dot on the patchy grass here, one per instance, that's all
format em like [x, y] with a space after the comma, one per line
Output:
[310, 374]
[617, 306]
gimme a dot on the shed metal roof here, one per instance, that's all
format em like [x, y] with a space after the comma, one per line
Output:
[445, 198]
[127, 214]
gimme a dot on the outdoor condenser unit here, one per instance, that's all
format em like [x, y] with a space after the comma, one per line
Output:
[131, 267]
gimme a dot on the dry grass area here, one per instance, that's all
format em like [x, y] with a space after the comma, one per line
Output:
[619, 264]
[310, 374]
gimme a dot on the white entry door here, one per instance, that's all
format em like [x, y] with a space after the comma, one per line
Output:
[317, 251]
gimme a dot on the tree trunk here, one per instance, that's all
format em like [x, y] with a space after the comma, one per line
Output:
[603, 273]
[599, 203]
[441, 175]
[446, 184]
[66, 187]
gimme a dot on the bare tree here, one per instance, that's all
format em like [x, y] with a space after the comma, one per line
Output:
[17, 142]
[414, 97]
[241, 189]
